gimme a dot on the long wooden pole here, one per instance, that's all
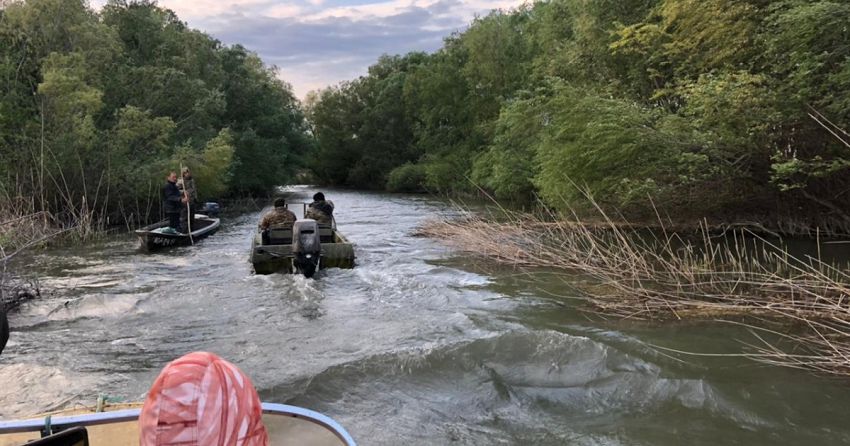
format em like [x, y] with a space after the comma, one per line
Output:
[188, 207]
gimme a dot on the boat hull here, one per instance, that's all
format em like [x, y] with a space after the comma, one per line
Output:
[151, 240]
[269, 259]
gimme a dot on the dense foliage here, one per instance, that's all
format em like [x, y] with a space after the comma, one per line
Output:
[725, 108]
[96, 108]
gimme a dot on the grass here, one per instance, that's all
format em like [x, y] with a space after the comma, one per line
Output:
[660, 275]
[23, 227]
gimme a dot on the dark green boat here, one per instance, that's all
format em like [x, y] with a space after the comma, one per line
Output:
[304, 248]
[156, 236]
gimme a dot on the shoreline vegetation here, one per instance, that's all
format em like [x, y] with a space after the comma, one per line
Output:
[98, 106]
[798, 309]
[22, 228]
[716, 109]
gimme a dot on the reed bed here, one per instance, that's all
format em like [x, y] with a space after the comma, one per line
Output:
[19, 230]
[800, 304]
[22, 227]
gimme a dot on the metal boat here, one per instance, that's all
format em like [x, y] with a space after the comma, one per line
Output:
[304, 248]
[157, 236]
[118, 426]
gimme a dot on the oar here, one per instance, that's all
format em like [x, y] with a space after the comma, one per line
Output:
[188, 207]
[188, 215]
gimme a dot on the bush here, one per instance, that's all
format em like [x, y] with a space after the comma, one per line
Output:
[407, 178]
[616, 150]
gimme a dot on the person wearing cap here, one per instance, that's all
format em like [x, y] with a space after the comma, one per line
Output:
[278, 217]
[200, 399]
[186, 184]
[320, 209]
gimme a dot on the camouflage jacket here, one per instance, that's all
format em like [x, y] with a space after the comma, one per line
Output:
[277, 217]
[188, 185]
[321, 211]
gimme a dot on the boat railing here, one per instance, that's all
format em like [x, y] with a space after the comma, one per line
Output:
[59, 423]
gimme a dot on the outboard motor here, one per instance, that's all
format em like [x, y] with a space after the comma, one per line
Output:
[211, 209]
[306, 247]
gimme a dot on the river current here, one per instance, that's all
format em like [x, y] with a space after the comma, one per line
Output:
[416, 345]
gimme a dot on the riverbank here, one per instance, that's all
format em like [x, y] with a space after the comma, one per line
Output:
[20, 231]
[800, 304]
[23, 227]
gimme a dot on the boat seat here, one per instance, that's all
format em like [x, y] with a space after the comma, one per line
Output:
[278, 236]
[326, 233]
[75, 436]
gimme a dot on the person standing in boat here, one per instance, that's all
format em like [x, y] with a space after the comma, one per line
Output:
[172, 201]
[278, 217]
[320, 209]
[187, 213]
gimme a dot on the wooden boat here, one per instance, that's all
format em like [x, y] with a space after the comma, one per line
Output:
[274, 252]
[155, 237]
[118, 426]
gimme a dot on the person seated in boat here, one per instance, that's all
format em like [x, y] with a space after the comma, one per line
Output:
[280, 216]
[186, 184]
[200, 399]
[172, 201]
[320, 209]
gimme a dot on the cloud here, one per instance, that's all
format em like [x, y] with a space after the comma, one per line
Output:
[284, 10]
[317, 43]
[198, 9]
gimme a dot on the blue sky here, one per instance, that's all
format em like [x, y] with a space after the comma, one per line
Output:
[317, 43]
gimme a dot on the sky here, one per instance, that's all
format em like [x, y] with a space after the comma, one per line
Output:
[317, 43]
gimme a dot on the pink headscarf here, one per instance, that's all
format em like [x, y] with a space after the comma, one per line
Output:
[202, 400]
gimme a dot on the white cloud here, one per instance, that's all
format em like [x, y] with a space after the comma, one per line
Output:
[318, 74]
[284, 10]
[198, 9]
[316, 45]
[459, 9]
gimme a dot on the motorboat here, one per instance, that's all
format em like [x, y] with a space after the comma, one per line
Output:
[159, 235]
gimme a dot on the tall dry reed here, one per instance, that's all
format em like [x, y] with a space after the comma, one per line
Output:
[640, 274]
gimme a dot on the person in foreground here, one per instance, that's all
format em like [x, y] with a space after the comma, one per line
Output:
[277, 217]
[320, 209]
[200, 399]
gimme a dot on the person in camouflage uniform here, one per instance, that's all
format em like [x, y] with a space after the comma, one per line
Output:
[278, 217]
[186, 184]
[320, 209]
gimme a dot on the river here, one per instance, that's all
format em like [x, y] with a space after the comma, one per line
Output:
[416, 345]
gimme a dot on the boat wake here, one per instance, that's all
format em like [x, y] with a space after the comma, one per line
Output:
[518, 379]
[49, 388]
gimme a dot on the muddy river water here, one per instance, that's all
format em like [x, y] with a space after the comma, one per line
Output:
[416, 345]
